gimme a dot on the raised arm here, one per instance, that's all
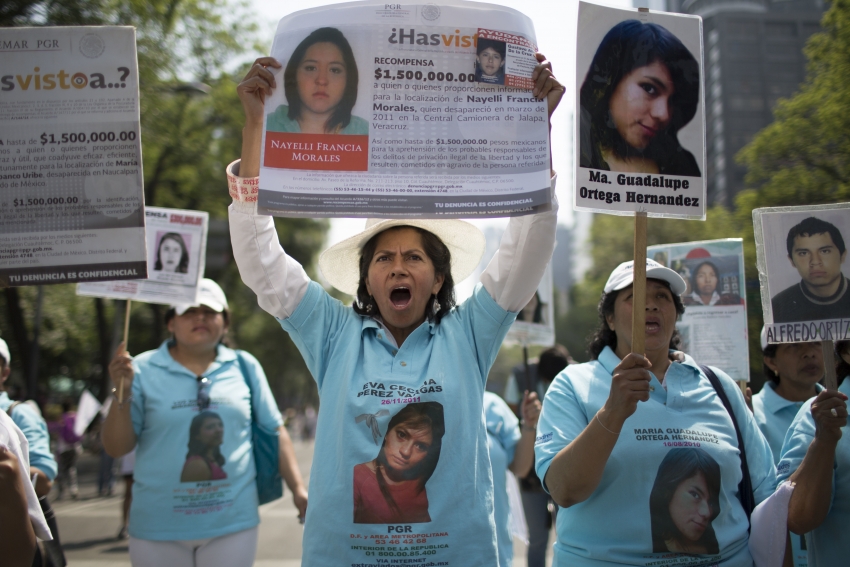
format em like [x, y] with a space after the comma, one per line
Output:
[278, 280]
[512, 276]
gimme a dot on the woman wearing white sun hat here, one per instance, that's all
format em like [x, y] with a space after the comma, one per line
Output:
[403, 343]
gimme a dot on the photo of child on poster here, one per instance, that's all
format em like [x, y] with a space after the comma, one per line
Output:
[391, 487]
[490, 61]
[204, 460]
[320, 83]
[684, 501]
[805, 256]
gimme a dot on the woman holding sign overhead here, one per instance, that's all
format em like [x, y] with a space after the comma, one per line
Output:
[404, 342]
[646, 441]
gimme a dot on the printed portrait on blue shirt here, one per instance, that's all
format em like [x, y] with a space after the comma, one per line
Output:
[684, 501]
[204, 460]
[391, 487]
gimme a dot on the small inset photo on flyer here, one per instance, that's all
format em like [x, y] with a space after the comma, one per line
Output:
[503, 58]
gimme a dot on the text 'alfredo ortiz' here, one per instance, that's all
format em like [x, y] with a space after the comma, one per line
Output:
[648, 189]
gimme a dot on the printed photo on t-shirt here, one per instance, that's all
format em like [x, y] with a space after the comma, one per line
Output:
[391, 488]
[204, 460]
[684, 501]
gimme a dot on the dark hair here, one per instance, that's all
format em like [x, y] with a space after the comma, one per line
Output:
[419, 416]
[196, 447]
[677, 466]
[628, 46]
[183, 266]
[439, 255]
[537, 316]
[842, 369]
[342, 115]
[812, 226]
[695, 272]
[552, 361]
[770, 352]
[605, 336]
[496, 45]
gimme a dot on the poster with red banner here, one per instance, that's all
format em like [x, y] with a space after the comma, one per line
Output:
[405, 111]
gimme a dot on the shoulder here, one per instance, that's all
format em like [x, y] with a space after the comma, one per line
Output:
[357, 125]
[792, 292]
[279, 121]
[493, 404]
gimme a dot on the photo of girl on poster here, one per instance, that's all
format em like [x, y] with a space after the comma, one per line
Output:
[391, 488]
[641, 88]
[204, 460]
[172, 253]
[684, 501]
[320, 83]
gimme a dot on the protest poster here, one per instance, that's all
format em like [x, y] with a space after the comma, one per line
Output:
[405, 126]
[535, 323]
[713, 329]
[640, 127]
[802, 253]
[70, 156]
[176, 258]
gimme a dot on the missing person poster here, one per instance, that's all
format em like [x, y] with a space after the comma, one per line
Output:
[406, 110]
[640, 132]
[802, 262]
[70, 156]
[177, 251]
[713, 328]
[535, 323]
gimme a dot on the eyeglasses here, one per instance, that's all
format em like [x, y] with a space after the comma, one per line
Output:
[203, 393]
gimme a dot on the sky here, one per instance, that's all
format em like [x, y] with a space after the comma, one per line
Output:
[554, 23]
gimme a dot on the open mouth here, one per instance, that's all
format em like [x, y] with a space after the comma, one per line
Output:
[400, 297]
[653, 326]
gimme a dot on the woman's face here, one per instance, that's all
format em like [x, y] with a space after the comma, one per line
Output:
[170, 253]
[321, 78]
[845, 352]
[198, 328]
[490, 61]
[406, 447]
[401, 278]
[211, 433]
[640, 104]
[690, 507]
[660, 318]
[706, 280]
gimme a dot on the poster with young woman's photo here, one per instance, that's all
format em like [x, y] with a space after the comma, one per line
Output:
[176, 250]
[803, 267]
[391, 113]
[640, 120]
[713, 328]
[535, 324]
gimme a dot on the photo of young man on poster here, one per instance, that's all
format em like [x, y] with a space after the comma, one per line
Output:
[490, 61]
[641, 88]
[320, 83]
[816, 250]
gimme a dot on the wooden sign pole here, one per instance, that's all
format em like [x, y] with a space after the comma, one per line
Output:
[830, 380]
[126, 336]
[639, 286]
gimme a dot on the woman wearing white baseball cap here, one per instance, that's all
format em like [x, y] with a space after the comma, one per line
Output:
[188, 409]
[403, 343]
[648, 440]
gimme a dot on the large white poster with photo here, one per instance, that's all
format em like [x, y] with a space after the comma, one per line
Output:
[405, 110]
[802, 261]
[713, 328]
[177, 251]
[70, 156]
[640, 114]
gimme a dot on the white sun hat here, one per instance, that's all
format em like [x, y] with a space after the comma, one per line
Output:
[623, 275]
[209, 294]
[340, 264]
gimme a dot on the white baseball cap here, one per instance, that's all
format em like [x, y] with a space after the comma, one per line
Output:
[209, 294]
[623, 275]
[4, 352]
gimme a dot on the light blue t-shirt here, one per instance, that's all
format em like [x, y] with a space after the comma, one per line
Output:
[774, 415]
[828, 544]
[164, 412]
[279, 121]
[502, 437]
[35, 430]
[364, 381]
[620, 524]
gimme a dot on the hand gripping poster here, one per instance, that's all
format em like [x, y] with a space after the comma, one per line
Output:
[803, 267]
[640, 127]
[414, 110]
[70, 156]
[177, 251]
[713, 329]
